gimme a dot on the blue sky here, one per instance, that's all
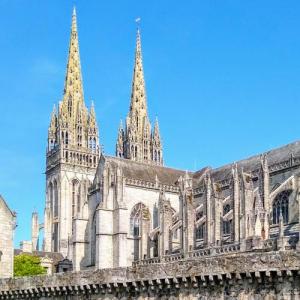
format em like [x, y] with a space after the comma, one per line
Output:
[223, 77]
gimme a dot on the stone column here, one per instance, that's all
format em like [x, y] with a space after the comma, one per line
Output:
[208, 211]
[266, 193]
[236, 203]
[144, 235]
[121, 219]
[47, 245]
[34, 231]
[165, 221]
[104, 241]
[217, 216]
[79, 242]
[298, 198]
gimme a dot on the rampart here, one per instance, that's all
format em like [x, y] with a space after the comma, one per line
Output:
[261, 275]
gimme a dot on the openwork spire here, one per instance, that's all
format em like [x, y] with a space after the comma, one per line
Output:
[136, 141]
[73, 90]
[138, 104]
[75, 126]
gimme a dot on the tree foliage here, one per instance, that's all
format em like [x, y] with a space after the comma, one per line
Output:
[27, 265]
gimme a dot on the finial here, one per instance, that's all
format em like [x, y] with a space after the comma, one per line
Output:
[121, 125]
[138, 22]
[74, 11]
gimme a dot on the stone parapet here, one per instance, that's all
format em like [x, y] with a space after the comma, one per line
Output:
[269, 270]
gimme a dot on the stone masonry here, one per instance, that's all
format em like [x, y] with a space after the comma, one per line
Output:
[7, 226]
[273, 275]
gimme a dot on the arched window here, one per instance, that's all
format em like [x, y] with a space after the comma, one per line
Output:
[200, 231]
[281, 206]
[135, 152]
[76, 199]
[67, 138]
[226, 209]
[79, 136]
[55, 200]
[79, 199]
[138, 213]
[50, 194]
[227, 227]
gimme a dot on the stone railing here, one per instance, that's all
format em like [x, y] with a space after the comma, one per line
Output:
[173, 257]
[212, 251]
[148, 261]
[158, 260]
[227, 249]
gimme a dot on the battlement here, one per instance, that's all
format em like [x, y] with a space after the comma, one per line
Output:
[237, 274]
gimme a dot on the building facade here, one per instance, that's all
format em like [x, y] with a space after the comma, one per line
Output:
[104, 212]
[7, 227]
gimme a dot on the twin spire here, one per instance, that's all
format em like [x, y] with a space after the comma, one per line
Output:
[136, 141]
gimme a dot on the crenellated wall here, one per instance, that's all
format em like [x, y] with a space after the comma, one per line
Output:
[272, 275]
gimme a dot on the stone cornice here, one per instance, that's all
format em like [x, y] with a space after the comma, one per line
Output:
[151, 185]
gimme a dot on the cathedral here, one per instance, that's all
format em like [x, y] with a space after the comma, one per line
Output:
[106, 211]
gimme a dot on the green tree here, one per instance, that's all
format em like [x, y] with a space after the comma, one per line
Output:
[27, 265]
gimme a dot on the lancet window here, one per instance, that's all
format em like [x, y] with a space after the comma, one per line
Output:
[281, 206]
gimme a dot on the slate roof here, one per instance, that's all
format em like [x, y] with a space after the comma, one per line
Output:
[146, 172]
[169, 176]
[253, 163]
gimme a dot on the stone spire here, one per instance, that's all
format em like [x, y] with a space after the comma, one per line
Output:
[137, 139]
[120, 141]
[138, 104]
[73, 81]
[156, 145]
[73, 126]
[73, 98]
[52, 131]
[92, 123]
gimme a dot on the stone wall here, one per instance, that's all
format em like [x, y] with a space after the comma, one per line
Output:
[7, 225]
[272, 275]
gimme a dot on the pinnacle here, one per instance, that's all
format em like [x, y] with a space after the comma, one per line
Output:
[121, 125]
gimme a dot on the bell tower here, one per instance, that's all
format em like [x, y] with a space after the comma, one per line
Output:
[72, 156]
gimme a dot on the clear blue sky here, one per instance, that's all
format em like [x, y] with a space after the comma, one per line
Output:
[223, 77]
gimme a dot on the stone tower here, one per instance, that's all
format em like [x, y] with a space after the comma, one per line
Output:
[72, 156]
[137, 141]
